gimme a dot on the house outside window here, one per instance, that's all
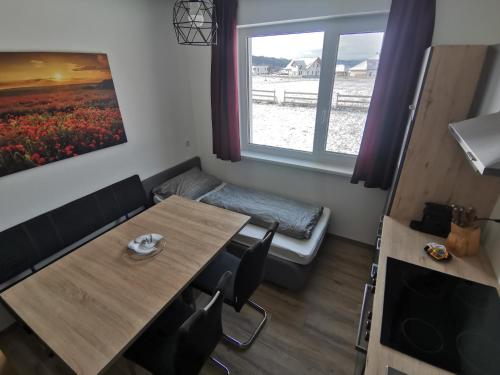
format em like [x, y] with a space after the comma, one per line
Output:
[311, 103]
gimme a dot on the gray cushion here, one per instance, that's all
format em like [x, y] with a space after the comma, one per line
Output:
[191, 184]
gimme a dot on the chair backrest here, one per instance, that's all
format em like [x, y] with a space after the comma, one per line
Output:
[200, 333]
[251, 269]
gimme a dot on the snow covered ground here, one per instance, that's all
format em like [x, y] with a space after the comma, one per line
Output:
[293, 126]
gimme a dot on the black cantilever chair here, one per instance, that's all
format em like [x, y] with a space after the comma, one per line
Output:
[181, 339]
[248, 273]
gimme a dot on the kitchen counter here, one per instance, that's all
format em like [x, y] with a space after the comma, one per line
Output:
[401, 242]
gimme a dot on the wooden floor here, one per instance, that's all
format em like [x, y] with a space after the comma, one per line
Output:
[310, 332]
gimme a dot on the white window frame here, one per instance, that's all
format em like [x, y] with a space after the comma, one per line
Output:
[332, 27]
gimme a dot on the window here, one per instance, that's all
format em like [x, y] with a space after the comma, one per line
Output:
[312, 100]
[352, 91]
[278, 118]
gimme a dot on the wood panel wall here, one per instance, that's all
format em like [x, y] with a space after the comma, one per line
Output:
[435, 168]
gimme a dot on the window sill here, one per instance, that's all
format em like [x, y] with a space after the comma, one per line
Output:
[297, 163]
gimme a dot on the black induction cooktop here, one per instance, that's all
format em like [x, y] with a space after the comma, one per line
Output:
[449, 322]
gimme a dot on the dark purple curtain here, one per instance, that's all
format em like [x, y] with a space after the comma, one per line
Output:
[224, 84]
[408, 34]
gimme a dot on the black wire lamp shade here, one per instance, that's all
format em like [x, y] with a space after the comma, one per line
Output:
[195, 22]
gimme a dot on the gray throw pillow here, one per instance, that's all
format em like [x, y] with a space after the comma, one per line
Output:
[191, 184]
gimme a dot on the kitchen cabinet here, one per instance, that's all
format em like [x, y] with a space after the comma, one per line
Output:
[400, 242]
[432, 166]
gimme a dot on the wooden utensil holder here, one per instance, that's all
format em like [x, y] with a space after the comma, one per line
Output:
[463, 241]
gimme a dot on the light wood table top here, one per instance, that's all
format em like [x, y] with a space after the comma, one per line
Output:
[403, 243]
[90, 305]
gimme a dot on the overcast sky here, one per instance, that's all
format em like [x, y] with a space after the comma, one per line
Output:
[351, 47]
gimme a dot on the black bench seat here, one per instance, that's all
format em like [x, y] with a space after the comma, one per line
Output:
[31, 243]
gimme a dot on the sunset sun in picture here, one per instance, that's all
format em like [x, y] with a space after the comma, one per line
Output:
[55, 106]
[27, 69]
[58, 76]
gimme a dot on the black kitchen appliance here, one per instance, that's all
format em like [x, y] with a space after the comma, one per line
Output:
[436, 220]
[449, 322]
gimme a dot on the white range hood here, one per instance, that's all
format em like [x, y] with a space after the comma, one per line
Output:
[479, 137]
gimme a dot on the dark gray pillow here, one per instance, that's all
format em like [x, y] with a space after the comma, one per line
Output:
[191, 184]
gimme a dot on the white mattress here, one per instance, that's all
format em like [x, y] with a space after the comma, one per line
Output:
[284, 247]
[288, 248]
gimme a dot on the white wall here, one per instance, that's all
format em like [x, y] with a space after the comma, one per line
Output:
[491, 240]
[260, 11]
[467, 22]
[145, 63]
[457, 21]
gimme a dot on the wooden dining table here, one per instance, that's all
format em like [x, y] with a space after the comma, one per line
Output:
[90, 305]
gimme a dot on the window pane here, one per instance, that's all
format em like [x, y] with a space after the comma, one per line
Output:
[357, 64]
[284, 84]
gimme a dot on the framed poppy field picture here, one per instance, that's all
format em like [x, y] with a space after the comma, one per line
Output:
[55, 106]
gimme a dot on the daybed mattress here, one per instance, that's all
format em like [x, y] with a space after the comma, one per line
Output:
[297, 219]
[288, 248]
[299, 251]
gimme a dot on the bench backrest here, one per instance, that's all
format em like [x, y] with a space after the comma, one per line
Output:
[27, 244]
[159, 178]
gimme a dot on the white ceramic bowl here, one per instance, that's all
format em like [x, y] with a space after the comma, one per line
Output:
[138, 245]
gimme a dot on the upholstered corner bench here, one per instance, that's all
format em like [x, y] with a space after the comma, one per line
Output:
[29, 246]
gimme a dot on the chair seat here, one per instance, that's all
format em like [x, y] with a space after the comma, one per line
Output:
[155, 349]
[207, 280]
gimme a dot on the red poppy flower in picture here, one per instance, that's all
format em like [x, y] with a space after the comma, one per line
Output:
[54, 106]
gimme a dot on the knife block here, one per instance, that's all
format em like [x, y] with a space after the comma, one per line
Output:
[463, 241]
